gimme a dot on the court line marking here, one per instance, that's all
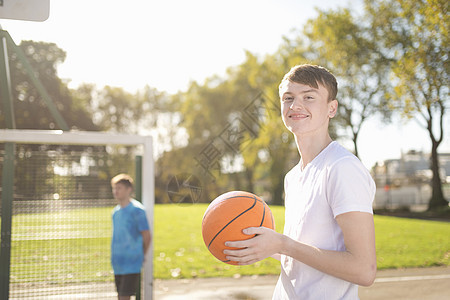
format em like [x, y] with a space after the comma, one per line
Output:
[412, 278]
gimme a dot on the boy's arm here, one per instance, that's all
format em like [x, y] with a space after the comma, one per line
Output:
[147, 238]
[356, 264]
[276, 256]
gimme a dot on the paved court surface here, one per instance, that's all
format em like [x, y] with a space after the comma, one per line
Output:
[410, 284]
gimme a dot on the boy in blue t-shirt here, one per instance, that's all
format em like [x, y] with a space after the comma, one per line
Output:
[131, 237]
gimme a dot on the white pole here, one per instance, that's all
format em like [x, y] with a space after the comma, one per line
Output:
[148, 197]
[69, 137]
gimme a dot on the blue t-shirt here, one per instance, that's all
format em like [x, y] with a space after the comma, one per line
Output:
[127, 248]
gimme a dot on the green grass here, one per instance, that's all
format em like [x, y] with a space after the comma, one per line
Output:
[71, 246]
[81, 251]
[403, 243]
[179, 249]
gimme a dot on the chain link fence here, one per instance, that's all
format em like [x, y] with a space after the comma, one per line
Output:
[61, 220]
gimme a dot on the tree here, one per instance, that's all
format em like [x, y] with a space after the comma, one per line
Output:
[207, 111]
[117, 110]
[272, 150]
[413, 35]
[340, 42]
[240, 115]
[30, 110]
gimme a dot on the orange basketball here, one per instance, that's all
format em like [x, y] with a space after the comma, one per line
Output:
[228, 215]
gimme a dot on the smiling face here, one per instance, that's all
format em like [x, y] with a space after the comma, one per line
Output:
[306, 110]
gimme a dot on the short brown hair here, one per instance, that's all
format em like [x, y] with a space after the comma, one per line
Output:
[124, 179]
[312, 75]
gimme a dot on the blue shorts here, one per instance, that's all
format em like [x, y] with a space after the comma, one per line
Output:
[127, 284]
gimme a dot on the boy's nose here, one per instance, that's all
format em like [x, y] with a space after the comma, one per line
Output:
[296, 104]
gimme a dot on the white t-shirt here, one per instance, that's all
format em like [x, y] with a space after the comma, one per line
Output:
[335, 182]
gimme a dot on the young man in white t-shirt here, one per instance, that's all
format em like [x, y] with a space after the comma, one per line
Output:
[328, 245]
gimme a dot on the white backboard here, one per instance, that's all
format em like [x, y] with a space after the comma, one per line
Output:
[27, 10]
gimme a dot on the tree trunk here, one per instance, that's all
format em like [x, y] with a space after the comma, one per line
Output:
[355, 131]
[277, 193]
[437, 198]
[355, 144]
[249, 177]
[277, 182]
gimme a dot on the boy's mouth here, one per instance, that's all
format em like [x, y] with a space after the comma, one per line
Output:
[298, 116]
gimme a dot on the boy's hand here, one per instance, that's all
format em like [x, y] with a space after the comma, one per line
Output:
[267, 242]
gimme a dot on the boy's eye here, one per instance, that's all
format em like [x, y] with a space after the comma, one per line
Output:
[288, 99]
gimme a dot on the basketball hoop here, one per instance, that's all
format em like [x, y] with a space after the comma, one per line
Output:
[25, 10]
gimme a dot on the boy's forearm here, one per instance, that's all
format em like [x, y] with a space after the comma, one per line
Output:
[341, 264]
[276, 256]
[356, 264]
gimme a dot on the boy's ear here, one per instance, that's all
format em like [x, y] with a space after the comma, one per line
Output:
[332, 108]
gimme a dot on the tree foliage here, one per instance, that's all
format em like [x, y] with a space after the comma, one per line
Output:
[343, 43]
[30, 110]
[227, 130]
[413, 35]
[237, 116]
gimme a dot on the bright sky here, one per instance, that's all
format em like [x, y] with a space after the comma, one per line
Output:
[167, 44]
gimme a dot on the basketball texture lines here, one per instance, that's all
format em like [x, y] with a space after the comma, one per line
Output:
[228, 215]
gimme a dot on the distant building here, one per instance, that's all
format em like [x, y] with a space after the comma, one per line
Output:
[412, 167]
[405, 182]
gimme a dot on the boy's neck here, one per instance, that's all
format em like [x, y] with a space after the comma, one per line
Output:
[124, 202]
[310, 147]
